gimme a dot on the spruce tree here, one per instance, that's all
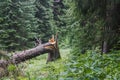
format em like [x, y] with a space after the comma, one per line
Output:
[44, 15]
[94, 24]
[59, 17]
[16, 23]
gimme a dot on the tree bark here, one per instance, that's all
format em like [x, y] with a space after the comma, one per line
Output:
[48, 47]
[55, 54]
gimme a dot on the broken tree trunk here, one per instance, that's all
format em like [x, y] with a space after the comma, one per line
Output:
[56, 53]
[50, 47]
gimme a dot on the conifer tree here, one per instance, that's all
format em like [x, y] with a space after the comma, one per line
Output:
[59, 16]
[97, 25]
[16, 22]
[44, 15]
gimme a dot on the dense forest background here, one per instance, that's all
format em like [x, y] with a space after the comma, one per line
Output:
[89, 28]
[21, 21]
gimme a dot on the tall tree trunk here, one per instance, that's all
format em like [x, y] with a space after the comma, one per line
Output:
[108, 30]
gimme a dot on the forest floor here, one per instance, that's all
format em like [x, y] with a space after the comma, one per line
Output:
[105, 67]
[37, 67]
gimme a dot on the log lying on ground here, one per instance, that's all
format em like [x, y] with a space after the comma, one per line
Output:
[50, 47]
[31, 53]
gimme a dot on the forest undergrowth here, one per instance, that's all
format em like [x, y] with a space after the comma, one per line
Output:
[37, 69]
[89, 66]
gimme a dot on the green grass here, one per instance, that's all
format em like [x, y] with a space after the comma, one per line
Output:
[89, 66]
[37, 67]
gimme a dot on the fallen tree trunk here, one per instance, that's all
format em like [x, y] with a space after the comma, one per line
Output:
[31, 53]
[50, 47]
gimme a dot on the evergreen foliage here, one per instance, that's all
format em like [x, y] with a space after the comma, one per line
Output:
[94, 25]
[16, 23]
[60, 18]
[44, 15]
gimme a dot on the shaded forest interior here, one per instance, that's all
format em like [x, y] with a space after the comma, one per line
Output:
[89, 28]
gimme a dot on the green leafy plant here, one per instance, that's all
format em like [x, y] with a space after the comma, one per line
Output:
[11, 67]
[93, 66]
